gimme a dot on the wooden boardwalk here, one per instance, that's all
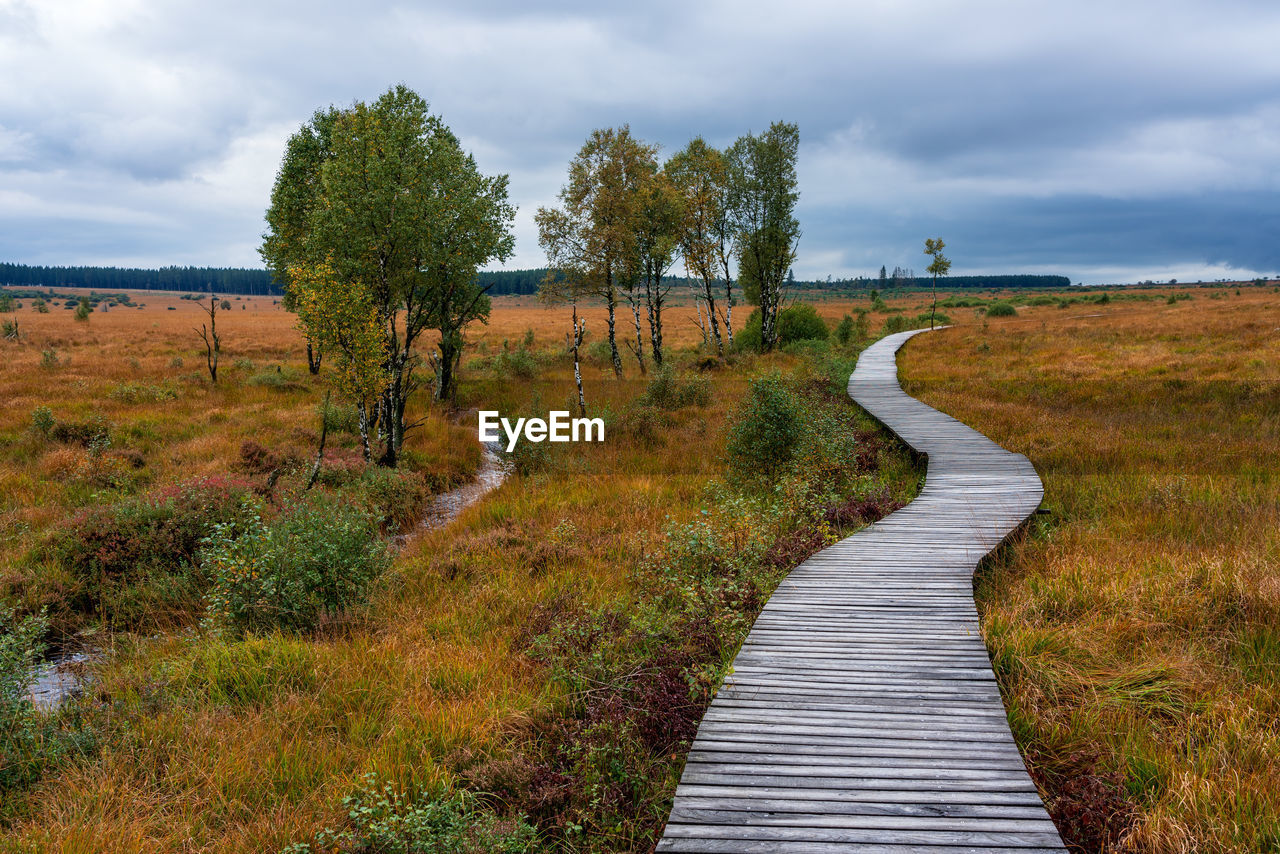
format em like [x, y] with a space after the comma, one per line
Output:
[862, 713]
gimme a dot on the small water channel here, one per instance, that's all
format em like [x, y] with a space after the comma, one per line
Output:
[63, 675]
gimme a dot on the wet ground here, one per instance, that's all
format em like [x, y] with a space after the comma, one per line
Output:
[61, 677]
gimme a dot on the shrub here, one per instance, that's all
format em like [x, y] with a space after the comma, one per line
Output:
[316, 560]
[136, 560]
[42, 420]
[895, 323]
[7, 302]
[669, 390]
[382, 819]
[800, 322]
[391, 496]
[844, 329]
[175, 362]
[765, 431]
[40, 306]
[142, 393]
[83, 309]
[91, 433]
[1001, 308]
[49, 359]
[339, 419]
[280, 377]
[9, 330]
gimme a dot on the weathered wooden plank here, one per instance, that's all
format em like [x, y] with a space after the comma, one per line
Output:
[862, 713]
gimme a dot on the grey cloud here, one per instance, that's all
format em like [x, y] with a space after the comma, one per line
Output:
[1151, 118]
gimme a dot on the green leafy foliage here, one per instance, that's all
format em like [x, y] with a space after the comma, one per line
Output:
[1001, 309]
[135, 561]
[668, 389]
[800, 322]
[381, 818]
[316, 560]
[766, 430]
[30, 742]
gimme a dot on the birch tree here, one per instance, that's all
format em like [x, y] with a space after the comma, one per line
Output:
[592, 237]
[764, 191]
[403, 219]
[657, 243]
[698, 173]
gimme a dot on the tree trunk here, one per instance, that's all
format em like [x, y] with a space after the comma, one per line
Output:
[313, 359]
[612, 299]
[728, 308]
[712, 317]
[934, 307]
[635, 312]
[653, 301]
[579, 330]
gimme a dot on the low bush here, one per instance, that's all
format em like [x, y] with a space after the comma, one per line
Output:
[798, 322]
[380, 818]
[136, 561]
[339, 419]
[1001, 308]
[281, 377]
[765, 431]
[670, 390]
[391, 497]
[315, 561]
[143, 393]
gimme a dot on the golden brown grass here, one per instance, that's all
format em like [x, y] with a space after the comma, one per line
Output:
[1136, 633]
[219, 745]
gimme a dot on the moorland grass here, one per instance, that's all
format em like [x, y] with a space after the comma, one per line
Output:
[549, 651]
[1134, 628]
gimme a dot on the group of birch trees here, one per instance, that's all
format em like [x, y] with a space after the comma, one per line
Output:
[625, 219]
[377, 225]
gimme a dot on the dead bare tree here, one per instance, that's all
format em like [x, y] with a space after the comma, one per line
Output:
[579, 332]
[212, 343]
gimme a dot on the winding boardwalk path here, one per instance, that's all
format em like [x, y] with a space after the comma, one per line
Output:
[862, 713]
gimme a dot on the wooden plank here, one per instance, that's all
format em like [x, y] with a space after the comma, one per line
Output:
[861, 713]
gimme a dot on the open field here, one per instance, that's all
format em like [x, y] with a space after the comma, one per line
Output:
[1136, 629]
[551, 650]
[552, 647]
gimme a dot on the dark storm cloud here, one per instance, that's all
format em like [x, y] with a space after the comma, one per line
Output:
[1101, 139]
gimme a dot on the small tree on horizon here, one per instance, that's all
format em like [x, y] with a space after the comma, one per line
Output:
[939, 266]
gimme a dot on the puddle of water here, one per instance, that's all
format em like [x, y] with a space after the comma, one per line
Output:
[58, 679]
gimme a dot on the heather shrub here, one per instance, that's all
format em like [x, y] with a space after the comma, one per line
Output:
[136, 560]
[669, 390]
[317, 560]
[390, 496]
[1001, 308]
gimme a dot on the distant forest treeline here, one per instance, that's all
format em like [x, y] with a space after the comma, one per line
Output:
[234, 280]
[526, 282]
[212, 280]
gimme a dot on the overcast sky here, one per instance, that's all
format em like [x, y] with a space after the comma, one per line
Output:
[1106, 141]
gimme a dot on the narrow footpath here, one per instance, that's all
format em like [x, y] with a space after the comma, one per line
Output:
[862, 713]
